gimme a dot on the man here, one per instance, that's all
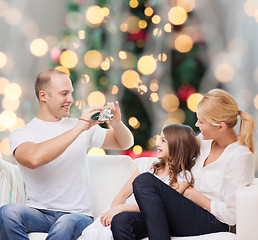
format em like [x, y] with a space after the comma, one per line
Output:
[50, 152]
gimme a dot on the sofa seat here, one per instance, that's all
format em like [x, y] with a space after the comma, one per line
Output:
[108, 173]
[213, 236]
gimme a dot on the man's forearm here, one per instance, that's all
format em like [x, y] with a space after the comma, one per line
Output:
[123, 136]
[33, 155]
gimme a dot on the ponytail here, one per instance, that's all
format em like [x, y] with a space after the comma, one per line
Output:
[247, 127]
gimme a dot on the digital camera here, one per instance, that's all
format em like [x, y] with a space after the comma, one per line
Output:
[104, 115]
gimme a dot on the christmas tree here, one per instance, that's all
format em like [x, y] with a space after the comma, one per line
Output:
[148, 55]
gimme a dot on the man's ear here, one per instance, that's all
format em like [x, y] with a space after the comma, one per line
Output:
[42, 95]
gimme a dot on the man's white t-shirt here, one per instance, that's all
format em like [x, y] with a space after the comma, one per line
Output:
[62, 184]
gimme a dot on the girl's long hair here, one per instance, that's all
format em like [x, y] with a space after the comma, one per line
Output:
[183, 147]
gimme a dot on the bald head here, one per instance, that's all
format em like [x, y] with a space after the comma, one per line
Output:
[43, 80]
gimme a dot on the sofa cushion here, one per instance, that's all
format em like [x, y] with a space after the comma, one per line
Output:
[108, 175]
[11, 184]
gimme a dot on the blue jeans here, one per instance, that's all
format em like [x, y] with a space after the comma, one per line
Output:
[164, 213]
[17, 220]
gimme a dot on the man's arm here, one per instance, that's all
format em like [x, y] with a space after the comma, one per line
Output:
[33, 155]
[119, 137]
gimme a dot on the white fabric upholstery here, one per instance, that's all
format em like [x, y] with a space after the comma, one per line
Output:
[11, 184]
[109, 173]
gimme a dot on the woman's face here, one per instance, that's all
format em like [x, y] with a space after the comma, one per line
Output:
[208, 131]
[162, 148]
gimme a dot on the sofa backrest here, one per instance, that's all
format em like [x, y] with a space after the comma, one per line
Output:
[108, 175]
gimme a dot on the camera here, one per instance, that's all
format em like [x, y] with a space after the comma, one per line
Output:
[104, 115]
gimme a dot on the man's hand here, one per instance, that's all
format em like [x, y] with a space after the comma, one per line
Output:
[115, 110]
[85, 120]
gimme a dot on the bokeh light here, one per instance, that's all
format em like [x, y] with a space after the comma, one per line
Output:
[106, 11]
[85, 78]
[137, 149]
[188, 5]
[8, 118]
[94, 15]
[131, 79]
[162, 57]
[157, 32]
[3, 84]
[96, 151]
[142, 89]
[68, 59]
[193, 101]
[154, 97]
[154, 86]
[133, 122]
[132, 24]
[96, 98]
[81, 34]
[13, 91]
[177, 15]
[224, 72]
[13, 16]
[39, 47]
[93, 59]
[183, 43]
[114, 90]
[256, 101]
[148, 11]
[18, 124]
[168, 27]
[250, 7]
[142, 24]
[133, 3]
[147, 65]
[3, 59]
[156, 19]
[10, 104]
[170, 102]
[5, 147]
[64, 70]
[177, 116]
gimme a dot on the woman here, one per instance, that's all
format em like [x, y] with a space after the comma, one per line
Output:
[177, 150]
[225, 164]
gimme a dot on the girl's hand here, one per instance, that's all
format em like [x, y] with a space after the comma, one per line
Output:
[107, 216]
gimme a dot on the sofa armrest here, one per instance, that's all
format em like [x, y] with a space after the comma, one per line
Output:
[11, 184]
[247, 212]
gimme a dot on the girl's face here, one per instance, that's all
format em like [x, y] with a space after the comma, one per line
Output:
[162, 148]
[208, 131]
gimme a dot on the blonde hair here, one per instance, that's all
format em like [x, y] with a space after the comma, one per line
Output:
[219, 106]
[183, 148]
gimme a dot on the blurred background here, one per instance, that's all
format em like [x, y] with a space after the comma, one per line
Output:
[156, 57]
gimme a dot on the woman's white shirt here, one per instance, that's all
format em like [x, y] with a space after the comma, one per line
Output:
[220, 180]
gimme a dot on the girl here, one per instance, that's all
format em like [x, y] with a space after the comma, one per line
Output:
[177, 150]
[224, 165]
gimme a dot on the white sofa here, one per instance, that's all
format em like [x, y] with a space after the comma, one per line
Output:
[109, 173]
